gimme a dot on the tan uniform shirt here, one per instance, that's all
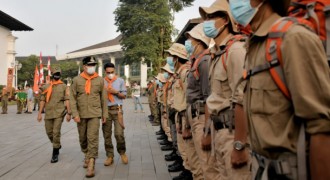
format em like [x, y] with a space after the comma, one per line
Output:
[93, 105]
[160, 96]
[223, 81]
[179, 90]
[55, 108]
[273, 119]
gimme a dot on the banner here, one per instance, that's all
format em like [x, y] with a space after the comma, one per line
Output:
[41, 74]
[36, 80]
[10, 77]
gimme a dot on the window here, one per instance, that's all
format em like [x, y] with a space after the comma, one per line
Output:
[135, 69]
[121, 70]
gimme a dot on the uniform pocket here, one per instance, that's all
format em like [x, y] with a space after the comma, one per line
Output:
[223, 83]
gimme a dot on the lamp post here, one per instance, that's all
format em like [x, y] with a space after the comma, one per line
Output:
[17, 65]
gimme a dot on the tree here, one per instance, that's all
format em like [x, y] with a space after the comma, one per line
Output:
[146, 28]
[26, 73]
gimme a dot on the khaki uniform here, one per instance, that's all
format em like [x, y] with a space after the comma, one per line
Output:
[4, 100]
[36, 101]
[180, 105]
[90, 108]
[21, 99]
[223, 81]
[55, 112]
[152, 102]
[168, 101]
[272, 118]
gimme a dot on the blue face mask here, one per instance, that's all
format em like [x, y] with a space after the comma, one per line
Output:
[172, 68]
[170, 61]
[209, 29]
[160, 84]
[166, 75]
[189, 47]
[242, 11]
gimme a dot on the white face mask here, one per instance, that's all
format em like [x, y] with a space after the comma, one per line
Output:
[110, 76]
[91, 70]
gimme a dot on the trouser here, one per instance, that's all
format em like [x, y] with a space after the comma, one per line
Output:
[20, 105]
[285, 167]
[88, 130]
[207, 166]
[29, 106]
[36, 102]
[224, 141]
[53, 130]
[155, 113]
[4, 103]
[182, 145]
[137, 101]
[166, 127]
[119, 133]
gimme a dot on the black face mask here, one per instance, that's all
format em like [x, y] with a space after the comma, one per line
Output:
[56, 76]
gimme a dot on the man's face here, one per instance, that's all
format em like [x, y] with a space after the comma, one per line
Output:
[255, 3]
[220, 19]
[110, 70]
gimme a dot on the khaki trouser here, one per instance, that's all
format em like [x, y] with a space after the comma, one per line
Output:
[53, 130]
[210, 171]
[119, 134]
[224, 141]
[29, 106]
[4, 103]
[20, 105]
[88, 130]
[166, 127]
[182, 145]
[155, 113]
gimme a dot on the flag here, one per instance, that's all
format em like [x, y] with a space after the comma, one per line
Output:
[48, 66]
[36, 80]
[41, 74]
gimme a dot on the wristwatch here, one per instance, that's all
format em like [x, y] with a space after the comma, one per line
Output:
[239, 146]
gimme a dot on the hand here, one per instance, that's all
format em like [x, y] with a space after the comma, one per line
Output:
[239, 158]
[39, 118]
[186, 134]
[77, 119]
[68, 117]
[104, 120]
[206, 143]
[112, 91]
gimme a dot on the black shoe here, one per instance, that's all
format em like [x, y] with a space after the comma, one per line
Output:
[56, 152]
[155, 123]
[162, 137]
[172, 157]
[184, 175]
[165, 142]
[176, 167]
[160, 132]
[34, 109]
[166, 148]
[178, 161]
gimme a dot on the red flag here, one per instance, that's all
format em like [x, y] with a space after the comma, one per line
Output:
[48, 66]
[36, 80]
[41, 78]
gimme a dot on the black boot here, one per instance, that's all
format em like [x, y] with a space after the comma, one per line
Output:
[184, 175]
[176, 166]
[178, 161]
[161, 131]
[56, 152]
[165, 142]
[172, 157]
[166, 148]
[162, 137]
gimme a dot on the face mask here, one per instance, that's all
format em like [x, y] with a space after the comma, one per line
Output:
[242, 11]
[170, 61]
[160, 84]
[210, 30]
[172, 68]
[189, 47]
[166, 75]
[110, 76]
[91, 70]
[56, 77]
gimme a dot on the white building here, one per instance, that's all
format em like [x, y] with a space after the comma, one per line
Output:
[7, 44]
[110, 51]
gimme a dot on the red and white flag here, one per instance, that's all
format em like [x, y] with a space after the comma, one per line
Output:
[41, 74]
[48, 66]
[35, 81]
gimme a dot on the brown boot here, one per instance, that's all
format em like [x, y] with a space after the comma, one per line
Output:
[90, 169]
[86, 161]
[108, 161]
[124, 158]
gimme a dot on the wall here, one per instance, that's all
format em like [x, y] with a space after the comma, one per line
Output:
[4, 64]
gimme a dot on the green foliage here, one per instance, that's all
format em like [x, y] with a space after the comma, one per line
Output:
[178, 5]
[26, 73]
[69, 69]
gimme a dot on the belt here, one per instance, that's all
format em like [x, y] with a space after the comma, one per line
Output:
[219, 125]
[114, 107]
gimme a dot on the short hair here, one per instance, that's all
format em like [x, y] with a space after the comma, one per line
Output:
[280, 6]
[109, 65]
[27, 85]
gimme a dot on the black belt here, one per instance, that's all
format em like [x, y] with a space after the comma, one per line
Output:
[114, 107]
[219, 124]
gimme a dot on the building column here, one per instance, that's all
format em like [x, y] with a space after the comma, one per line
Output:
[100, 64]
[127, 74]
[113, 60]
[143, 74]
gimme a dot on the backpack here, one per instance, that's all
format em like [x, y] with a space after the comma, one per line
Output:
[313, 15]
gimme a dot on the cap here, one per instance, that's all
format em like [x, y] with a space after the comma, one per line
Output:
[161, 77]
[55, 70]
[167, 68]
[178, 50]
[218, 6]
[198, 33]
[89, 60]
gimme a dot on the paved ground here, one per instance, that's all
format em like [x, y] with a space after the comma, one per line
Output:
[25, 150]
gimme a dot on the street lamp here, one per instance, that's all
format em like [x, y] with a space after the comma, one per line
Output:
[17, 65]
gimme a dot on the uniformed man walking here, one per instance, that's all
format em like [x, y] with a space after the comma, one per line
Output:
[4, 100]
[88, 101]
[280, 122]
[56, 102]
[116, 89]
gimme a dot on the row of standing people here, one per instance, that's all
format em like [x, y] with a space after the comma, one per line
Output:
[89, 100]
[221, 112]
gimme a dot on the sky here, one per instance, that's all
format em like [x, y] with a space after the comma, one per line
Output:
[71, 24]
